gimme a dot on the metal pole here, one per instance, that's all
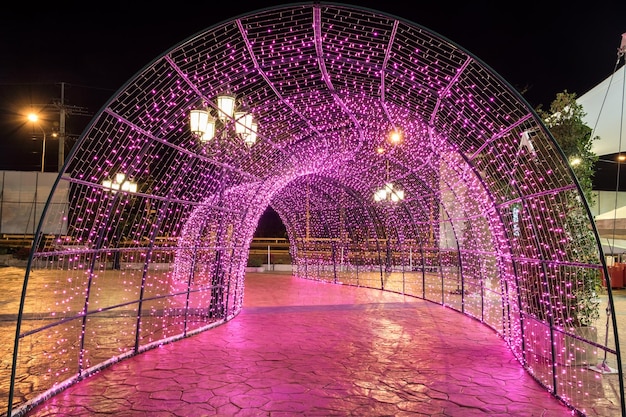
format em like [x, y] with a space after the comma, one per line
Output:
[43, 149]
[62, 113]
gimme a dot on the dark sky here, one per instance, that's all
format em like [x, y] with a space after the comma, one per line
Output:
[95, 47]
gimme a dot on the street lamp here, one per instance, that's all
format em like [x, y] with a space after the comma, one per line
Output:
[120, 183]
[204, 125]
[34, 119]
[389, 193]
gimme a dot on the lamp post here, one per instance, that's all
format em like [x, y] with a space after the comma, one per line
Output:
[389, 192]
[238, 124]
[119, 182]
[34, 119]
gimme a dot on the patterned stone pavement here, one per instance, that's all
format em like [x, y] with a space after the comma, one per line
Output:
[305, 348]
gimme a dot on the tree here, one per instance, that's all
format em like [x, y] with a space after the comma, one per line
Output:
[577, 298]
[565, 122]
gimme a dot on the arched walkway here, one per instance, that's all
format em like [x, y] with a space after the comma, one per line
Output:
[397, 161]
[307, 348]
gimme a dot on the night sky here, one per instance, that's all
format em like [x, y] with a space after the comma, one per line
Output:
[90, 50]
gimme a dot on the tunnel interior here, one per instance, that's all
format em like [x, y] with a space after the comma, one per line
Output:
[395, 159]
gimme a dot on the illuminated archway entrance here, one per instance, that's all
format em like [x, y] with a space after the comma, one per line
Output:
[472, 205]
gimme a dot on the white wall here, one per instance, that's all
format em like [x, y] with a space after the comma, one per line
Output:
[23, 196]
[606, 201]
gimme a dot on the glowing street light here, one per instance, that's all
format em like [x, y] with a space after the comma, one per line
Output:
[204, 125]
[120, 183]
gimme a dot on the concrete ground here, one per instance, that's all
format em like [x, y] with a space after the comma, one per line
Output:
[306, 348]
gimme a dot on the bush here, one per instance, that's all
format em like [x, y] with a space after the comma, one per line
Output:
[22, 253]
[255, 261]
[281, 259]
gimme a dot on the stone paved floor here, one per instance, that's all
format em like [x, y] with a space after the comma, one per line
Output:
[307, 348]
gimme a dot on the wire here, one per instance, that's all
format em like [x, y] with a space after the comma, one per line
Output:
[621, 51]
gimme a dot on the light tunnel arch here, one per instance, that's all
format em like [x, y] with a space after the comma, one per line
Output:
[492, 224]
